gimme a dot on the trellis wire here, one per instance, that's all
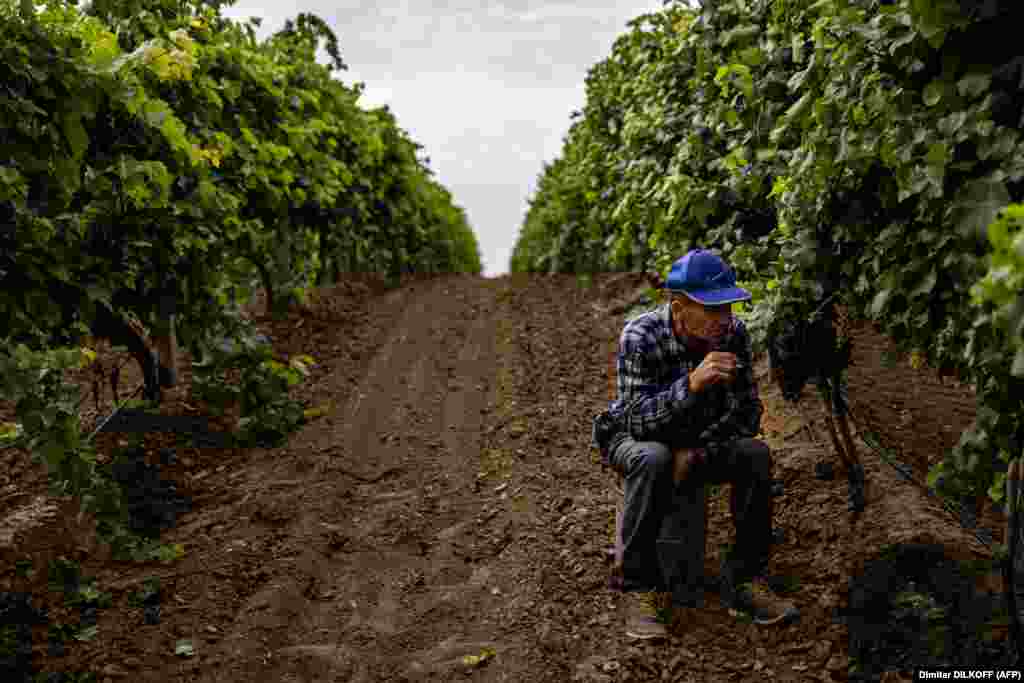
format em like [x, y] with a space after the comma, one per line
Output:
[18, 443]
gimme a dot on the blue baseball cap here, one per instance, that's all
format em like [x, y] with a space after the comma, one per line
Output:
[705, 278]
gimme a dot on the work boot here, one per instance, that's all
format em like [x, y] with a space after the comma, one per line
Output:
[642, 619]
[757, 600]
[855, 479]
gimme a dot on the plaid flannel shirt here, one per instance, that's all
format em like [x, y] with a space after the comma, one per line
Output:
[654, 399]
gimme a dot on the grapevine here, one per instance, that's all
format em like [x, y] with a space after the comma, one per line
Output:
[160, 158]
[859, 139]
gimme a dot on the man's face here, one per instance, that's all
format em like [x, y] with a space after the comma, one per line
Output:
[707, 323]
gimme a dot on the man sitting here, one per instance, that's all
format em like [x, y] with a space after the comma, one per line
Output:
[688, 409]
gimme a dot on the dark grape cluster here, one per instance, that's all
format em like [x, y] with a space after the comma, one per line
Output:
[57, 636]
[753, 224]
[149, 600]
[153, 503]
[67, 677]
[8, 240]
[151, 613]
[87, 613]
[1007, 101]
[151, 608]
[985, 9]
[801, 350]
[119, 132]
[312, 213]
[8, 220]
[17, 616]
[729, 198]
[183, 187]
[40, 195]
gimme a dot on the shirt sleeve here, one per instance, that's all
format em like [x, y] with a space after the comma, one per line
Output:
[742, 418]
[651, 412]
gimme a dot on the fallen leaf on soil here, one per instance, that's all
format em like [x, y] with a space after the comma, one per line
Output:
[313, 413]
[472, 661]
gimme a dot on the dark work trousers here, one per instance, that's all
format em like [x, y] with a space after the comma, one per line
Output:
[647, 473]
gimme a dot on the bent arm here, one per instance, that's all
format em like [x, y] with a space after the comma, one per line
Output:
[652, 412]
[742, 418]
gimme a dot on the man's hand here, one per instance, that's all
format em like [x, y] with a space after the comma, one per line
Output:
[682, 462]
[717, 366]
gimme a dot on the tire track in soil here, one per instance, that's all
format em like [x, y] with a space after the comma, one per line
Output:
[386, 569]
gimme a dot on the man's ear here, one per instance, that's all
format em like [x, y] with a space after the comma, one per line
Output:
[677, 307]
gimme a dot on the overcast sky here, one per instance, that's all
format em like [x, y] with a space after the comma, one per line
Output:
[487, 87]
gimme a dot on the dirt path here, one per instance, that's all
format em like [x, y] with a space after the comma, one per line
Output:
[449, 505]
[369, 576]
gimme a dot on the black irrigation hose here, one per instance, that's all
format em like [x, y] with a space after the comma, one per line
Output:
[119, 407]
[116, 411]
[984, 535]
[21, 442]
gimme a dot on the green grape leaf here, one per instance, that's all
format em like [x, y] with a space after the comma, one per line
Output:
[1017, 369]
[974, 84]
[77, 137]
[933, 93]
[879, 301]
[926, 285]
[977, 205]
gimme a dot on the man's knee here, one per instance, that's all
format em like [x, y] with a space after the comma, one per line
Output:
[654, 457]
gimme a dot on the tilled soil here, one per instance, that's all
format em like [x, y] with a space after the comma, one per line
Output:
[448, 504]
